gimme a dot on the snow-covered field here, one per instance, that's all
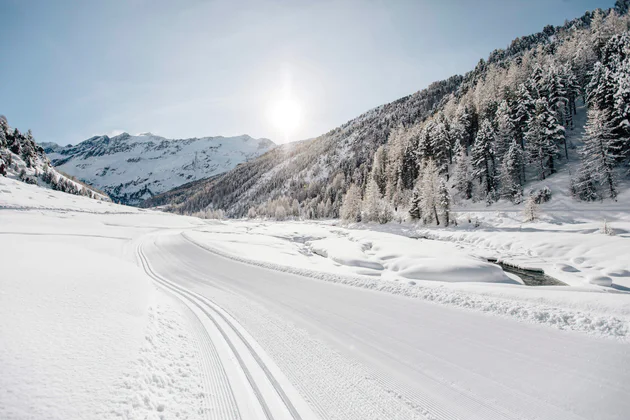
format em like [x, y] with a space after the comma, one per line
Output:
[114, 312]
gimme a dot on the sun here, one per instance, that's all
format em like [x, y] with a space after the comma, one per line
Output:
[286, 115]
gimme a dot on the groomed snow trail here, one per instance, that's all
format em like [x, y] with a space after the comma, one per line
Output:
[260, 392]
[340, 352]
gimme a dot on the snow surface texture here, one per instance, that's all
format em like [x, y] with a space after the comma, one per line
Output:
[133, 168]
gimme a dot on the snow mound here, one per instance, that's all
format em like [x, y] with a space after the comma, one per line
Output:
[344, 252]
[600, 280]
[454, 270]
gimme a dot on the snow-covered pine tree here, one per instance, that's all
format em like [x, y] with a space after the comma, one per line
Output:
[600, 150]
[415, 211]
[425, 145]
[379, 168]
[543, 133]
[464, 127]
[444, 202]
[510, 173]
[505, 129]
[351, 205]
[483, 156]
[429, 193]
[622, 106]
[463, 178]
[524, 110]
[572, 91]
[441, 145]
[622, 6]
[583, 185]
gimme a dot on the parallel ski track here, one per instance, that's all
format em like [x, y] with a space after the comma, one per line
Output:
[212, 311]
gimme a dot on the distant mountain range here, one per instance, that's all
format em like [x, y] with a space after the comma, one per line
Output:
[133, 168]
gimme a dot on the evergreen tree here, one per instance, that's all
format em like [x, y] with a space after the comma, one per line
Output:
[379, 169]
[441, 146]
[505, 130]
[444, 202]
[583, 185]
[463, 178]
[622, 6]
[622, 106]
[524, 110]
[543, 133]
[483, 156]
[600, 150]
[429, 193]
[510, 173]
[415, 211]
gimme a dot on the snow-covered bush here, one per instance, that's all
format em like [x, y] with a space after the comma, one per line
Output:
[531, 210]
[542, 195]
[583, 187]
[607, 229]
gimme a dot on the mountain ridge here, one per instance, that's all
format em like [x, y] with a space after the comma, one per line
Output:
[132, 168]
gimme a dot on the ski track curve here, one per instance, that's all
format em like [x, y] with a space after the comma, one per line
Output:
[264, 389]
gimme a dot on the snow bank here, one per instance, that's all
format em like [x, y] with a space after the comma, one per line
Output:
[455, 270]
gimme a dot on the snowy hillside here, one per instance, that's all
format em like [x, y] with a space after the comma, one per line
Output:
[133, 168]
[484, 137]
[24, 160]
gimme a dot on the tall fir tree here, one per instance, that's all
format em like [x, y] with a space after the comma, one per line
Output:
[543, 133]
[505, 129]
[600, 150]
[510, 173]
[483, 156]
[463, 178]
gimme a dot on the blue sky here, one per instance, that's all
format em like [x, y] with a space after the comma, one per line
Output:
[73, 69]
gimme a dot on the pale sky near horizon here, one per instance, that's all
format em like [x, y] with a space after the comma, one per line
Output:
[192, 68]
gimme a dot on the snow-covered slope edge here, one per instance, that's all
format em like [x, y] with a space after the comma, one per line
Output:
[133, 168]
[23, 159]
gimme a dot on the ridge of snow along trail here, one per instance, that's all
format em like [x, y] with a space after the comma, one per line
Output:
[270, 401]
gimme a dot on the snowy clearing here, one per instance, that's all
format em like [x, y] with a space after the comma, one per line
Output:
[114, 312]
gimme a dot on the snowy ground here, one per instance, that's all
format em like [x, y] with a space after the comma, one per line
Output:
[114, 312]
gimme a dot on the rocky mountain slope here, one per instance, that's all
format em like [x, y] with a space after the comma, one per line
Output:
[133, 168]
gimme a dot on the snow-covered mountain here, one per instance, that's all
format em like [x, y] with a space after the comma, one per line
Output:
[133, 168]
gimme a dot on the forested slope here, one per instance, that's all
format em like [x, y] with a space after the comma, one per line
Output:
[481, 137]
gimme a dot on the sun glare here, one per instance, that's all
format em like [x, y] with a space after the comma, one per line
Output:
[285, 115]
